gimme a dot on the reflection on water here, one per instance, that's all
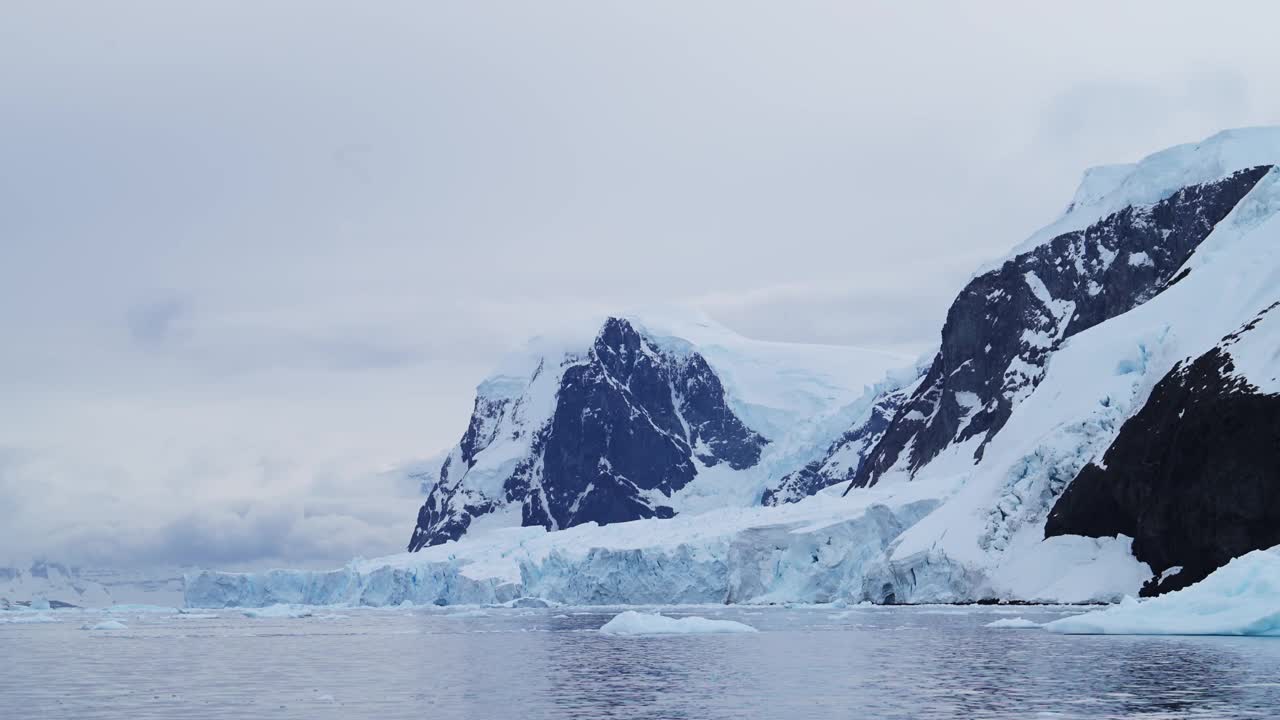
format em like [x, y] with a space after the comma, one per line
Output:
[861, 663]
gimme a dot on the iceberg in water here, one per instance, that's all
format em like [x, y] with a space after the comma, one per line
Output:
[105, 625]
[279, 611]
[1017, 623]
[1240, 598]
[27, 619]
[638, 623]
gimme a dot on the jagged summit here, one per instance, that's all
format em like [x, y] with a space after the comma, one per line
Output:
[650, 417]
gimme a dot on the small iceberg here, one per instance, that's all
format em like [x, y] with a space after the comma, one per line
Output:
[1017, 623]
[1239, 598]
[279, 611]
[467, 614]
[637, 623]
[105, 625]
[528, 602]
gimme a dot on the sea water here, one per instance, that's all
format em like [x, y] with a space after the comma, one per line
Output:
[812, 662]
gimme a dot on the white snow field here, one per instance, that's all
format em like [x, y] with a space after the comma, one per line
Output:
[956, 531]
[630, 622]
[1239, 598]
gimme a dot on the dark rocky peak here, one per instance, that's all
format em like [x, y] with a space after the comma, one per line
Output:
[633, 419]
[1006, 323]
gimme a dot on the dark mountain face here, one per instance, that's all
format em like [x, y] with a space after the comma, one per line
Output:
[632, 421]
[1193, 477]
[1004, 326]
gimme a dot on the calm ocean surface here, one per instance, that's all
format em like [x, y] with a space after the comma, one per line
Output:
[924, 662]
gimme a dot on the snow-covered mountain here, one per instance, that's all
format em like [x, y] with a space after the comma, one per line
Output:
[648, 418]
[1006, 324]
[989, 535]
[59, 584]
[49, 583]
[1101, 414]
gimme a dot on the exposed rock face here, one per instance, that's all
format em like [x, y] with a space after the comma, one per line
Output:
[1193, 477]
[631, 424]
[1006, 323]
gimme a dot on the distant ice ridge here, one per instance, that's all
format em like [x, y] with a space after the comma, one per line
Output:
[43, 583]
[46, 582]
[1240, 598]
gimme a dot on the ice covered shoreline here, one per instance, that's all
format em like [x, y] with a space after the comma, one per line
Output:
[815, 552]
[828, 549]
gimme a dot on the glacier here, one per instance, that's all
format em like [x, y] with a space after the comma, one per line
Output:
[815, 551]
[822, 550]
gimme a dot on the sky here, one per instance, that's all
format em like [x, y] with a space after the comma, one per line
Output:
[255, 257]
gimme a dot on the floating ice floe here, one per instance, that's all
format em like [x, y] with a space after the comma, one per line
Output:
[25, 619]
[468, 614]
[142, 608]
[637, 623]
[1017, 623]
[529, 602]
[105, 625]
[278, 611]
[1240, 598]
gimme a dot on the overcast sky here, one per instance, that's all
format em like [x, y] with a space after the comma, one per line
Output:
[256, 255]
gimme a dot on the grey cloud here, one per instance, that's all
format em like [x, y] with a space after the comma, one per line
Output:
[155, 322]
